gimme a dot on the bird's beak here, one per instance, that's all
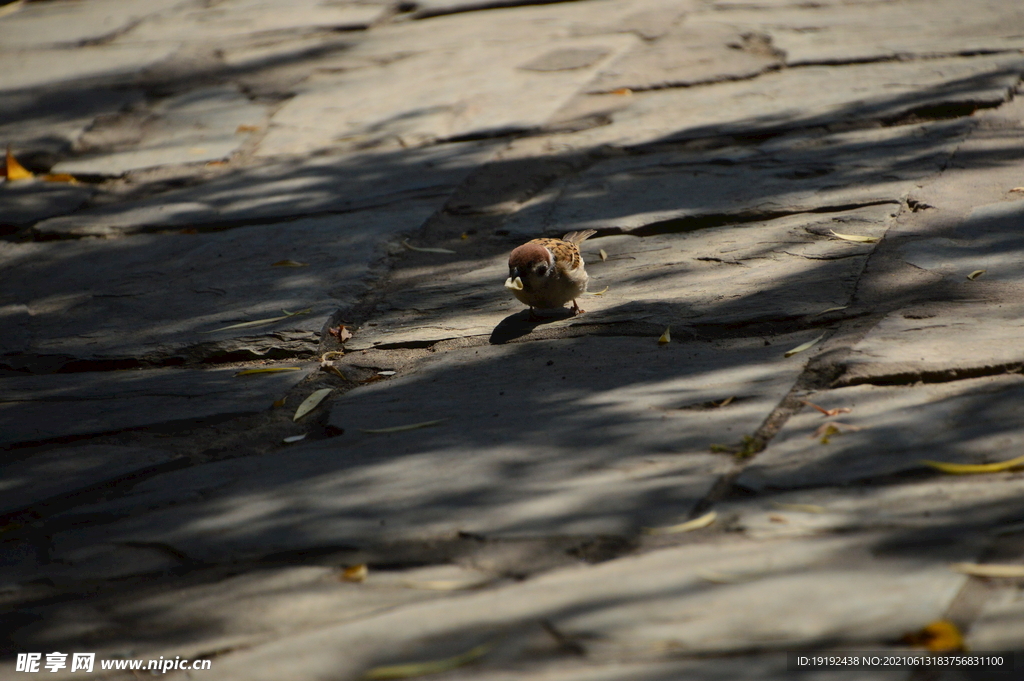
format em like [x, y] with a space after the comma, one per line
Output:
[515, 284]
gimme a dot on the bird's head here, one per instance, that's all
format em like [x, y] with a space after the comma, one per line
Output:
[529, 267]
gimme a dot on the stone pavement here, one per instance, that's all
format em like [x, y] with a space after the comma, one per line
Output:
[249, 175]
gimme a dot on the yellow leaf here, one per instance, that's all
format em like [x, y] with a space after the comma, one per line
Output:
[60, 177]
[289, 263]
[425, 250]
[939, 636]
[975, 274]
[803, 508]
[803, 346]
[16, 171]
[688, 526]
[402, 429]
[247, 128]
[408, 671]
[857, 238]
[355, 573]
[1017, 189]
[831, 309]
[989, 569]
[598, 293]
[310, 403]
[280, 403]
[622, 91]
[666, 337]
[268, 370]
[969, 468]
[464, 236]
[261, 322]
[726, 402]
[604, 256]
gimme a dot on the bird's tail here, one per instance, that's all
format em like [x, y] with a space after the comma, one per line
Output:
[579, 237]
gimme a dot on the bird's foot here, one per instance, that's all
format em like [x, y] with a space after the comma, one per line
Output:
[576, 309]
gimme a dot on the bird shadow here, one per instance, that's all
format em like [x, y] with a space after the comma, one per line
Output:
[522, 323]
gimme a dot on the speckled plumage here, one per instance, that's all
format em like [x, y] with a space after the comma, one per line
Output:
[548, 273]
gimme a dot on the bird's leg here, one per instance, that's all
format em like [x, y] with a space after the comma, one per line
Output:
[576, 308]
[534, 317]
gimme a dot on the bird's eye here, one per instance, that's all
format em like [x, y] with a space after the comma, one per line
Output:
[542, 270]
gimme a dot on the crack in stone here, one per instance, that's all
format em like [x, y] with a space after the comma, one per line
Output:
[929, 375]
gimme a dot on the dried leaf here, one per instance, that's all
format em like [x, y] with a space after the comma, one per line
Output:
[622, 91]
[831, 309]
[280, 403]
[16, 171]
[247, 128]
[330, 368]
[827, 412]
[386, 373]
[267, 370]
[826, 430]
[341, 333]
[60, 177]
[726, 402]
[803, 346]
[802, 508]
[289, 263]
[294, 438]
[355, 573]
[1017, 189]
[261, 322]
[968, 468]
[598, 293]
[311, 402]
[975, 274]
[402, 429]
[939, 636]
[666, 337]
[989, 569]
[464, 236]
[604, 256]
[688, 526]
[408, 671]
[857, 238]
[331, 354]
[445, 584]
[425, 250]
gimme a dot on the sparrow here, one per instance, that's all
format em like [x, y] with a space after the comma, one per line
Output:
[548, 273]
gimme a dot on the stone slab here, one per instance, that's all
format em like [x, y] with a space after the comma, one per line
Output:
[794, 98]
[468, 90]
[36, 408]
[850, 32]
[960, 505]
[167, 295]
[787, 175]
[1000, 625]
[686, 56]
[50, 121]
[68, 23]
[293, 188]
[26, 70]
[798, 594]
[568, 474]
[60, 472]
[24, 202]
[759, 271]
[232, 19]
[970, 421]
[202, 125]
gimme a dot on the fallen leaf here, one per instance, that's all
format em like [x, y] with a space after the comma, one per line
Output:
[975, 274]
[622, 91]
[826, 430]
[989, 569]
[425, 250]
[970, 468]
[330, 368]
[857, 238]
[803, 346]
[775, 518]
[939, 636]
[831, 309]
[261, 322]
[289, 263]
[725, 403]
[16, 171]
[294, 438]
[60, 177]
[311, 402]
[280, 403]
[666, 337]
[268, 370]
[386, 373]
[413, 669]
[464, 236]
[604, 256]
[445, 584]
[827, 412]
[247, 128]
[598, 293]
[688, 526]
[355, 573]
[802, 508]
[214, 164]
[331, 354]
[402, 429]
[1017, 189]
[341, 333]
